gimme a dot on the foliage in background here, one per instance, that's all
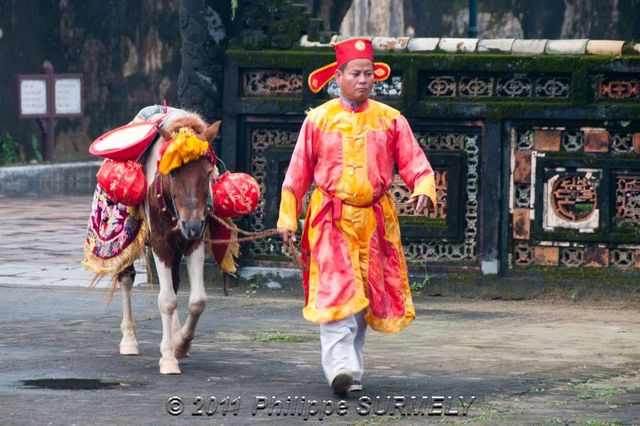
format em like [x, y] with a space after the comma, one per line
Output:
[9, 152]
[13, 151]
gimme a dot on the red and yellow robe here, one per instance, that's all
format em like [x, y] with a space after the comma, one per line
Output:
[352, 234]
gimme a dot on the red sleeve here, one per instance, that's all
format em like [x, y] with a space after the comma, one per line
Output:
[412, 162]
[299, 176]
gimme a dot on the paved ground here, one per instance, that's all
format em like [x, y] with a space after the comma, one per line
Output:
[41, 241]
[524, 362]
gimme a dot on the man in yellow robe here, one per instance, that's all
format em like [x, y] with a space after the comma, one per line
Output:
[357, 273]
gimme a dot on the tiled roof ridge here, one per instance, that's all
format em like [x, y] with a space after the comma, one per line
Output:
[499, 45]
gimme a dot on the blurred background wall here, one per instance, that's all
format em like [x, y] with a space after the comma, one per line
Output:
[136, 52]
[127, 51]
[595, 19]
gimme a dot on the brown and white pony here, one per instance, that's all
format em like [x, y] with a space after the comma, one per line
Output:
[176, 211]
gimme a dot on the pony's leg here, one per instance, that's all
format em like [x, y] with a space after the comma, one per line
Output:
[197, 300]
[128, 344]
[175, 321]
[177, 340]
[167, 302]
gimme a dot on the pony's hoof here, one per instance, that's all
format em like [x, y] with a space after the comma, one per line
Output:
[129, 349]
[168, 366]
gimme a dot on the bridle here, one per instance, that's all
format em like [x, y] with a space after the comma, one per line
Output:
[170, 208]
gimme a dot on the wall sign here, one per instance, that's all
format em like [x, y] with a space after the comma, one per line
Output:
[68, 95]
[47, 97]
[33, 97]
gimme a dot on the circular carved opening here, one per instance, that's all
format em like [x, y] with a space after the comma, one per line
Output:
[574, 197]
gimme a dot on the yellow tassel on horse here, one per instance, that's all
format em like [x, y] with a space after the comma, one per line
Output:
[184, 148]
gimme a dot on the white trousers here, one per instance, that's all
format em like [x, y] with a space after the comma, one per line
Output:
[342, 346]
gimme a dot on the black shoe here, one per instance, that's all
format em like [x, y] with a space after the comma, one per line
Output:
[342, 382]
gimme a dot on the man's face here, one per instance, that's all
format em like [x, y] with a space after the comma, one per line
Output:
[356, 80]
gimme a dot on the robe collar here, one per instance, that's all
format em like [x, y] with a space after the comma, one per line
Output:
[352, 107]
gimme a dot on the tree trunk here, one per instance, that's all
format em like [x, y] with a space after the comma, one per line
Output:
[204, 25]
[596, 19]
[542, 18]
[425, 18]
[382, 18]
[331, 12]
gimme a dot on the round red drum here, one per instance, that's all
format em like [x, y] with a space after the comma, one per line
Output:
[235, 195]
[124, 143]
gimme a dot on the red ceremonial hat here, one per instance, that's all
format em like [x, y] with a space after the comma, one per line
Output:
[353, 48]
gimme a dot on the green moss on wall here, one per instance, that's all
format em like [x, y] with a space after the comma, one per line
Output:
[582, 70]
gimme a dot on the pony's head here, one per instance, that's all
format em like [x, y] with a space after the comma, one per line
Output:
[188, 186]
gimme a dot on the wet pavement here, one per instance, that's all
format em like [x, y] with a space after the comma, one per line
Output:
[462, 361]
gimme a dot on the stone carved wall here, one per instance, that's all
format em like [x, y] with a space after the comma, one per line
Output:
[578, 213]
[619, 87]
[496, 86]
[271, 83]
[273, 138]
[535, 157]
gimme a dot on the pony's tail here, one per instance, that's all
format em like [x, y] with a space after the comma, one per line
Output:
[108, 298]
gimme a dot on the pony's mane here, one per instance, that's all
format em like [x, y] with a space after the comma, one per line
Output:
[181, 118]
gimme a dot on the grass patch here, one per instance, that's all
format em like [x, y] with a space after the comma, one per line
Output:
[555, 422]
[418, 286]
[491, 414]
[602, 393]
[280, 336]
[463, 276]
[377, 420]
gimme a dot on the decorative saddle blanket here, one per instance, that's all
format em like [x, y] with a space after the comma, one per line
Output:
[115, 235]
